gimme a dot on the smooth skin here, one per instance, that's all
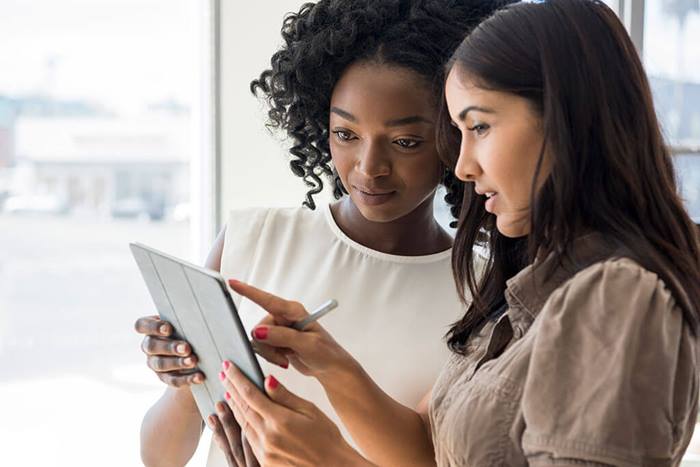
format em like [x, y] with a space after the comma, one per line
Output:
[303, 420]
[382, 143]
[502, 139]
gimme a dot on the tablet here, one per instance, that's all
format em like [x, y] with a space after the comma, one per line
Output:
[196, 302]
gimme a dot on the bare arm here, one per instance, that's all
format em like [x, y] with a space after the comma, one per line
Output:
[172, 427]
[387, 432]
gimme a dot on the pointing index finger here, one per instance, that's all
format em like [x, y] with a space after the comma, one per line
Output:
[280, 308]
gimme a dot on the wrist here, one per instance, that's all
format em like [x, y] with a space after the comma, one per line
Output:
[183, 399]
[349, 457]
[344, 375]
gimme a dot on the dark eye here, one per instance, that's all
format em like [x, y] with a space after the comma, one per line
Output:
[407, 143]
[479, 128]
[343, 135]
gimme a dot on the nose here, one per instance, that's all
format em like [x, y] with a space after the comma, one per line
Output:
[467, 168]
[372, 162]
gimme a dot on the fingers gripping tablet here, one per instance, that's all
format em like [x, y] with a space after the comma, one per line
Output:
[197, 304]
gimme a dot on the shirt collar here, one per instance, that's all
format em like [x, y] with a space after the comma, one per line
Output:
[530, 288]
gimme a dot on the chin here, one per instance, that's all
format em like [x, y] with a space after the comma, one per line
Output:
[375, 214]
[511, 229]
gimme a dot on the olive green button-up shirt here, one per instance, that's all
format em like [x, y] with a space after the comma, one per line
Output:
[591, 367]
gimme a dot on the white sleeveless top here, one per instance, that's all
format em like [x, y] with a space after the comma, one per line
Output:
[393, 310]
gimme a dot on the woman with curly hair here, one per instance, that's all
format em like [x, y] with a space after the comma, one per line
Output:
[356, 87]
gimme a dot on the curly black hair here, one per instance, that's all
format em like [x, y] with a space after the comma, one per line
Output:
[324, 38]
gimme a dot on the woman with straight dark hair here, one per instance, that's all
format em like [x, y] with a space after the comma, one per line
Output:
[580, 347]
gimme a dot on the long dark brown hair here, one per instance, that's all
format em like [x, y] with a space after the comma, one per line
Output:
[612, 172]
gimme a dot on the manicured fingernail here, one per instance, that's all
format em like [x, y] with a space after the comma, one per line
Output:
[181, 348]
[164, 329]
[189, 361]
[227, 396]
[222, 375]
[260, 333]
[272, 382]
[285, 365]
[226, 364]
[210, 421]
[233, 282]
[197, 378]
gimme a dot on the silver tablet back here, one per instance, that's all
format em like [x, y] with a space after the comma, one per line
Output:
[197, 303]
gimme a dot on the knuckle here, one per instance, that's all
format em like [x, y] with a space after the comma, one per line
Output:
[315, 339]
[159, 364]
[146, 344]
[175, 381]
[166, 378]
[152, 363]
[227, 418]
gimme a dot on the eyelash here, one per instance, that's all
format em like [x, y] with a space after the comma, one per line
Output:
[343, 135]
[413, 143]
[403, 143]
[479, 128]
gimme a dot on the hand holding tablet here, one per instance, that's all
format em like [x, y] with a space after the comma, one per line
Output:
[196, 303]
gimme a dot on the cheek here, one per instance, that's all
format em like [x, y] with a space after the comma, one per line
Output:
[420, 172]
[511, 171]
[342, 160]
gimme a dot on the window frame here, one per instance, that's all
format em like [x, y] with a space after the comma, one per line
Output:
[205, 179]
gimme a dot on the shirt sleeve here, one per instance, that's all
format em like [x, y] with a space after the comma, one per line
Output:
[612, 376]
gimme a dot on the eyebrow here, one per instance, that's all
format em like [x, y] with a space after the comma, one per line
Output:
[392, 123]
[463, 114]
[344, 114]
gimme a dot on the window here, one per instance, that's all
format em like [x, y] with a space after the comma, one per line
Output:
[99, 105]
[671, 28]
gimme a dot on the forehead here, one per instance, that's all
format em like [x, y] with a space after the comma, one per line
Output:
[383, 91]
[462, 91]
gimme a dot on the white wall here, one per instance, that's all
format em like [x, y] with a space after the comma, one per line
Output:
[255, 164]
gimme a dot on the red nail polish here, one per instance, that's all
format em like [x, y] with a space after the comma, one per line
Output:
[272, 382]
[227, 396]
[226, 364]
[260, 333]
[285, 365]
[222, 375]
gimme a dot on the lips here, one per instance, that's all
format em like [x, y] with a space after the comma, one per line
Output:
[481, 191]
[373, 196]
[491, 198]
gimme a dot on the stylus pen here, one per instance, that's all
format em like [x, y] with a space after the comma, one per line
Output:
[319, 312]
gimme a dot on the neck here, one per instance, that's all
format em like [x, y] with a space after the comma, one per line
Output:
[414, 234]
